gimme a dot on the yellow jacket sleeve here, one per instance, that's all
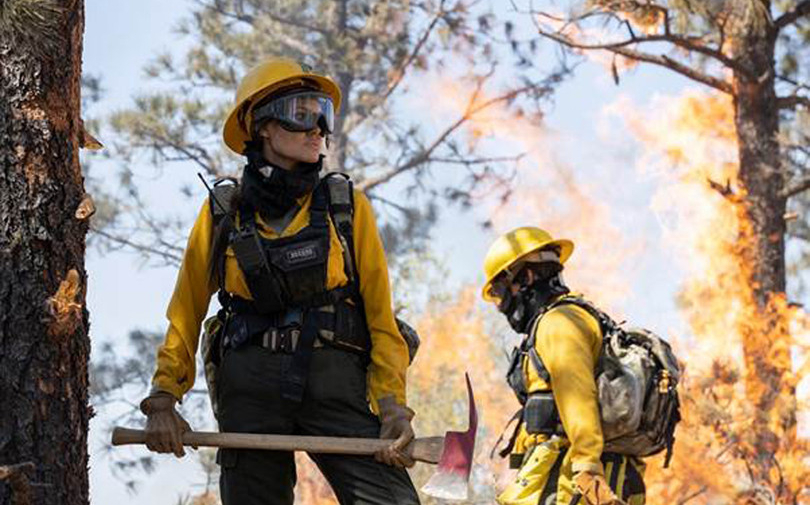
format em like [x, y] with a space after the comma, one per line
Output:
[189, 304]
[568, 340]
[389, 352]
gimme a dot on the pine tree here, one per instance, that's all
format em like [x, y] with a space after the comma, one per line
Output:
[44, 345]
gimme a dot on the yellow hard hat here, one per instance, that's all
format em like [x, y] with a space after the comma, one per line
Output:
[262, 80]
[511, 247]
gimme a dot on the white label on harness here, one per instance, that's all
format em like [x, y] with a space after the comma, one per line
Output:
[306, 253]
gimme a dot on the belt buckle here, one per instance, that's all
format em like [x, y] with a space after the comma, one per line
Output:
[294, 336]
[288, 341]
[281, 339]
[270, 339]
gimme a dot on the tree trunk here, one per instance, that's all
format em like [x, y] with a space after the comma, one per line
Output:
[44, 345]
[344, 80]
[766, 337]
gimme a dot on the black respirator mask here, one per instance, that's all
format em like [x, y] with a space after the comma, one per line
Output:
[521, 308]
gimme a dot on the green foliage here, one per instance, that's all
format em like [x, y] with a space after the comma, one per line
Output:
[33, 23]
[377, 52]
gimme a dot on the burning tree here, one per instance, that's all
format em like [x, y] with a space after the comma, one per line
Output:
[44, 345]
[750, 52]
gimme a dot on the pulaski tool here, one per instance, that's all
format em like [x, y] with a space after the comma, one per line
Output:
[453, 452]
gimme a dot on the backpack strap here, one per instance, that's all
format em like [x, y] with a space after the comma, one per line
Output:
[220, 203]
[605, 324]
[341, 208]
[531, 351]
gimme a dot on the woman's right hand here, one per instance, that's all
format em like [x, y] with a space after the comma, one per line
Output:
[164, 426]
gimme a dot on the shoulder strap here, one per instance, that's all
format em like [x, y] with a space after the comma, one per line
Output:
[605, 323]
[220, 203]
[531, 351]
[341, 208]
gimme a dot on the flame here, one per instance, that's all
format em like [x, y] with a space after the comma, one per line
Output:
[733, 416]
[547, 194]
[457, 338]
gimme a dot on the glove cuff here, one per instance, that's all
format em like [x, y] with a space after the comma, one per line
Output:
[391, 410]
[157, 402]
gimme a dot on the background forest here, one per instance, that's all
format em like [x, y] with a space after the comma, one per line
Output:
[668, 139]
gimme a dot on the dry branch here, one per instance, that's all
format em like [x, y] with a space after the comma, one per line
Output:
[425, 155]
[168, 257]
[661, 60]
[796, 187]
[788, 18]
[792, 101]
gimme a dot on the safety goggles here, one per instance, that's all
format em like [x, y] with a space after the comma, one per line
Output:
[518, 274]
[298, 112]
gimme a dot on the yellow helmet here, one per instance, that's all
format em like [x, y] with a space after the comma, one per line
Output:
[511, 247]
[260, 81]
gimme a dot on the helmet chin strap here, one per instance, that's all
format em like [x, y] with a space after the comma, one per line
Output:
[521, 308]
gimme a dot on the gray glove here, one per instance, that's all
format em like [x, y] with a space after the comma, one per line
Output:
[396, 425]
[164, 426]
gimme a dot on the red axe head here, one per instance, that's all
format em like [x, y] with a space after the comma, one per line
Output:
[453, 473]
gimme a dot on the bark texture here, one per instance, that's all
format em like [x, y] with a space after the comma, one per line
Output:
[44, 345]
[766, 340]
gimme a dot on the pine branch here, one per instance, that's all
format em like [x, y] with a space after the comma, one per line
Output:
[793, 82]
[688, 43]
[168, 257]
[426, 155]
[790, 17]
[693, 44]
[399, 73]
[799, 186]
[661, 60]
[792, 101]
[249, 19]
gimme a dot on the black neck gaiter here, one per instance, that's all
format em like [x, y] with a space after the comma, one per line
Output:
[275, 195]
[522, 308]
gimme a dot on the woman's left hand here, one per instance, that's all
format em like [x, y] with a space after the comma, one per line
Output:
[396, 424]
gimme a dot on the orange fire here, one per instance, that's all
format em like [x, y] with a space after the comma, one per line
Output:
[690, 143]
[688, 146]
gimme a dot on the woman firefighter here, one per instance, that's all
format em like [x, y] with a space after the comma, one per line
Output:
[558, 443]
[308, 343]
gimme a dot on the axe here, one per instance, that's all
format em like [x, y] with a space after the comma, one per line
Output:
[453, 453]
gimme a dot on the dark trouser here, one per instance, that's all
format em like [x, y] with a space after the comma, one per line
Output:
[334, 404]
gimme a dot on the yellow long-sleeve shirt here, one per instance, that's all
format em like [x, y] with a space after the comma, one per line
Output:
[192, 293]
[568, 340]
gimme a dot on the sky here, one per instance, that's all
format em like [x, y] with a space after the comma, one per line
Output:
[120, 38]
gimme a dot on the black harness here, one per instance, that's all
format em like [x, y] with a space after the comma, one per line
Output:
[291, 308]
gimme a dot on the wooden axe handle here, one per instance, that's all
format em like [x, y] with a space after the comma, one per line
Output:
[427, 449]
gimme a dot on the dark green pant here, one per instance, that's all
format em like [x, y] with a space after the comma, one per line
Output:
[334, 404]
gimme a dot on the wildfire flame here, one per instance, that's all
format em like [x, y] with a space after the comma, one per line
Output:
[690, 143]
[688, 147]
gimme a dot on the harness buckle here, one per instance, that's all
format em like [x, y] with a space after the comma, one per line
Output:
[281, 339]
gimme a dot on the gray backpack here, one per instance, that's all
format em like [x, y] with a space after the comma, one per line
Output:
[637, 377]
